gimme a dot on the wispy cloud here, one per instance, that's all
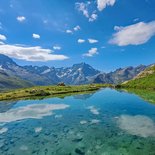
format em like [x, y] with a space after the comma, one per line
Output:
[102, 4]
[21, 18]
[84, 8]
[56, 47]
[36, 36]
[2, 37]
[135, 34]
[35, 53]
[91, 52]
[92, 41]
[81, 40]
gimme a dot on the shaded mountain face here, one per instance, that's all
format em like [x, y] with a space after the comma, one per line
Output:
[13, 70]
[120, 75]
[5, 61]
[11, 82]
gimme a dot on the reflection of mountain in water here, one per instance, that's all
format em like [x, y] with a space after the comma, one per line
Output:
[83, 96]
[6, 105]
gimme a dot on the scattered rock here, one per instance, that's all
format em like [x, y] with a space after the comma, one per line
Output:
[78, 151]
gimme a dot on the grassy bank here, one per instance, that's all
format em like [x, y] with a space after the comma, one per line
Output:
[49, 91]
[145, 80]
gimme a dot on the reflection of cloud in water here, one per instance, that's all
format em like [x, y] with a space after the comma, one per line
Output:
[23, 148]
[3, 130]
[58, 116]
[137, 125]
[93, 110]
[38, 129]
[83, 122]
[35, 111]
[95, 121]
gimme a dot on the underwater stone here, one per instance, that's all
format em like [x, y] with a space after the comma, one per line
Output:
[47, 133]
[77, 140]
[78, 151]
[55, 136]
[46, 151]
[36, 135]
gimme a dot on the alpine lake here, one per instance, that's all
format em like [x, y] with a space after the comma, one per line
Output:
[105, 122]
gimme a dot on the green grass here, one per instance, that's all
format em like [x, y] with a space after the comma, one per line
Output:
[142, 83]
[9, 83]
[146, 80]
[49, 91]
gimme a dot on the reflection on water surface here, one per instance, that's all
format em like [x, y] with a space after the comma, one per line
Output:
[107, 122]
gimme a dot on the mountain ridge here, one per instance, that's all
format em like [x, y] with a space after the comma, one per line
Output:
[77, 74]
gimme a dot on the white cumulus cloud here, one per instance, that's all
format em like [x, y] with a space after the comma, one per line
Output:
[36, 36]
[92, 41]
[35, 53]
[93, 17]
[81, 40]
[69, 31]
[102, 4]
[21, 18]
[91, 52]
[135, 34]
[2, 37]
[76, 28]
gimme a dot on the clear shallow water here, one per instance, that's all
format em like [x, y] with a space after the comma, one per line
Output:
[107, 122]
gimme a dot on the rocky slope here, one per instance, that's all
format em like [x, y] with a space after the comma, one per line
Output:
[120, 75]
[145, 79]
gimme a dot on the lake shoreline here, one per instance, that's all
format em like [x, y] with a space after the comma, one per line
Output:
[41, 92]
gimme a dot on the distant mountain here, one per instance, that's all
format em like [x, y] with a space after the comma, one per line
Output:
[15, 76]
[145, 79]
[77, 74]
[14, 70]
[120, 75]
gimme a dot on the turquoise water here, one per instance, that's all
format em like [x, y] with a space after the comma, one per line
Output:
[107, 122]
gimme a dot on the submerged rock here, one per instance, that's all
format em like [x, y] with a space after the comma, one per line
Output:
[77, 140]
[78, 151]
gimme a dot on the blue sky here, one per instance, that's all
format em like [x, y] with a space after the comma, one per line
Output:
[106, 34]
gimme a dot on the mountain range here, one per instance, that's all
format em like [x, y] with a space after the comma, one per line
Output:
[14, 76]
